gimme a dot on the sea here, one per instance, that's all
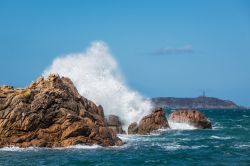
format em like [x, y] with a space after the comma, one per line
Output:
[227, 143]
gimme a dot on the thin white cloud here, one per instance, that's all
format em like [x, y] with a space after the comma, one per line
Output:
[188, 49]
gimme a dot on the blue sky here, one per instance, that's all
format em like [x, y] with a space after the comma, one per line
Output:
[164, 48]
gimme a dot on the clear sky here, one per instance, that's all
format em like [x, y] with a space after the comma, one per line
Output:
[165, 48]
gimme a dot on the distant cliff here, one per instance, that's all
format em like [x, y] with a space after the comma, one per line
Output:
[194, 103]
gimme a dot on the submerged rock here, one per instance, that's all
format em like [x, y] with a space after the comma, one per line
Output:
[154, 121]
[115, 124]
[51, 113]
[192, 117]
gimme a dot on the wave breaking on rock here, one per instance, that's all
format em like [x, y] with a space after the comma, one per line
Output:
[96, 75]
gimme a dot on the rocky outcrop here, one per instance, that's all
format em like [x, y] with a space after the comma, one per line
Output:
[115, 124]
[154, 121]
[51, 113]
[133, 128]
[192, 117]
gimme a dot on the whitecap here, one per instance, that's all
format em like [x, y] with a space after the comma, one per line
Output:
[174, 147]
[198, 146]
[240, 126]
[133, 138]
[81, 146]
[180, 126]
[217, 126]
[125, 137]
[18, 149]
[242, 146]
[220, 138]
[185, 139]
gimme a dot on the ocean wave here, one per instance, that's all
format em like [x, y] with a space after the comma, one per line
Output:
[180, 126]
[89, 147]
[240, 127]
[175, 146]
[217, 126]
[184, 139]
[242, 146]
[126, 137]
[137, 137]
[80, 146]
[198, 146]
[220, 138]
[245, 116]
[17, 149]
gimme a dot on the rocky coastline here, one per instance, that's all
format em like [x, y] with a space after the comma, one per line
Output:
[51, 113]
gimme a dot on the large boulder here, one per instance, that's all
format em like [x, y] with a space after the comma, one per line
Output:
[152, 122]
[115, 124]
[192, 117]
[51, 113]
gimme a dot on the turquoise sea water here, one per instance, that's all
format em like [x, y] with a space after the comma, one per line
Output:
[228, 143]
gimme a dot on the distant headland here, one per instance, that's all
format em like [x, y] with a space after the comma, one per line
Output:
[201, 102]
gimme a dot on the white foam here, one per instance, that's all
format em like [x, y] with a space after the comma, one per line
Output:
[126, 137]
[17, 149]
[175, 146]
[220, 138]
[96, 75]
[80, 146]
[217, 126]
[198, 146]
[185, 139]
[180, 126]
[242, 146]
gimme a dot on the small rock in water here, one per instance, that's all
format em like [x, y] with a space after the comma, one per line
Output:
[115, 124]
[154, 121]
[192, 117]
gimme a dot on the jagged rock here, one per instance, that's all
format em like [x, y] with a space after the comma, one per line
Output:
[133, 128]
[115, 124]
[192, 117]
[154, 121]
[51, 113]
